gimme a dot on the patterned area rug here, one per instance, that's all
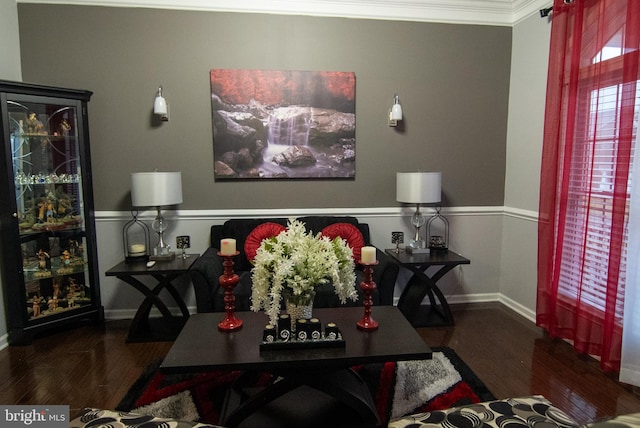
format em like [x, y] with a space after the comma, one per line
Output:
[397, 389]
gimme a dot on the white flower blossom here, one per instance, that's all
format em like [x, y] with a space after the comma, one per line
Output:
[296, 262]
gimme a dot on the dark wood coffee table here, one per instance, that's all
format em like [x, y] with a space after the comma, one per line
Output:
[201, 347]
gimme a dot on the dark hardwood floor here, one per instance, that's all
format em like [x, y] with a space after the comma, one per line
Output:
[515, 358]
[90, 366]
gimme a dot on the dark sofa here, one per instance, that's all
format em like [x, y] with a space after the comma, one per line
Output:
[208, 268]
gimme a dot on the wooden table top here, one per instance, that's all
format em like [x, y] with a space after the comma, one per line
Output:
[202, 347]
[177, 265]
[432, 258]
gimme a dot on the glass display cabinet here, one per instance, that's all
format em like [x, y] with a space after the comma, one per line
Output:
[47, 241]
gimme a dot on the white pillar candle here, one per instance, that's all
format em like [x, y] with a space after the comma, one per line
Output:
[137, 248]
[228, 247]
[368, 255]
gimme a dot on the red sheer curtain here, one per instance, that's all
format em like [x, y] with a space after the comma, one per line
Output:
[591, 120]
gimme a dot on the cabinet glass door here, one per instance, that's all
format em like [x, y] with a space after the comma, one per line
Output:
[44, 137]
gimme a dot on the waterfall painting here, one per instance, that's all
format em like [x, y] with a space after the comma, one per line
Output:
[271, 124]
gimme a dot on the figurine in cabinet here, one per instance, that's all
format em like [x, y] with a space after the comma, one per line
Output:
[43, 262]
[64, 205]
[36, 306]
[56, 288]
[65, 127]
[73, 247]
[34, 126]
[66, 267]
[27, 221]
[73, 287]
[43, 256]
[70, 302]
[53, 304]
[41, 207]
[50, 210]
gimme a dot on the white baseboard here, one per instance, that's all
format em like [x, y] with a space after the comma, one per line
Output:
[518, 308]
[473, 298]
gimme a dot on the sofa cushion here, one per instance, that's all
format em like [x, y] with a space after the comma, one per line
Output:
[239, 229]
[110, 418]
[257, 235]
[349, 233]
[513, 412]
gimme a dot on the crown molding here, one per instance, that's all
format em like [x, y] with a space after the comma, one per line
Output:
[478, 12]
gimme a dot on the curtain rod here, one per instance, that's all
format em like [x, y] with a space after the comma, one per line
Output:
[547, 10]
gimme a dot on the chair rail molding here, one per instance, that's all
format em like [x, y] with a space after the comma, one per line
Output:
[298, 212]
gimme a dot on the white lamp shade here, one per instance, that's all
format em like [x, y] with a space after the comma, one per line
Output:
[156, 189]
[160, 105]
[418, 187]
[396, 112]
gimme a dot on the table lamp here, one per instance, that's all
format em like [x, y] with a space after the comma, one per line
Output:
[418, 188]
[157, 189]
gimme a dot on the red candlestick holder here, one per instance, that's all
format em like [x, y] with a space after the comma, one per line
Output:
[368, 286]
[228, 280]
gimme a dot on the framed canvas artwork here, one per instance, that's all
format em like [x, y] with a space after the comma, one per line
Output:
[271, 124]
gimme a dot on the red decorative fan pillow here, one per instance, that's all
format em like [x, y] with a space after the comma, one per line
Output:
[257, 235]
[349, 233]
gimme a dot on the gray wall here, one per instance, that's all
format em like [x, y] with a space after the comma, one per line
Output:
[453, 82]
[528, 90]
[9, 41]
[518, 274]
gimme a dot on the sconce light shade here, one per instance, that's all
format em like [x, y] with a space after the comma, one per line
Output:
[395, 114]
[418, 187]
[160, 106]
[396, 110]
[156, 189]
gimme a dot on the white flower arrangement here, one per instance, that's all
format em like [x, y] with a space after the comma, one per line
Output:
[296, 262]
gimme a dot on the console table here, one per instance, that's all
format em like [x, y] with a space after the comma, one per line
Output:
[420, 285]
[166, 328]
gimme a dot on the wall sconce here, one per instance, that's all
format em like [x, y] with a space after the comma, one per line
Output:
[395, 114]
[160, 106]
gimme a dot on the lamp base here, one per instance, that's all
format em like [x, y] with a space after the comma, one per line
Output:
[163, 258]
